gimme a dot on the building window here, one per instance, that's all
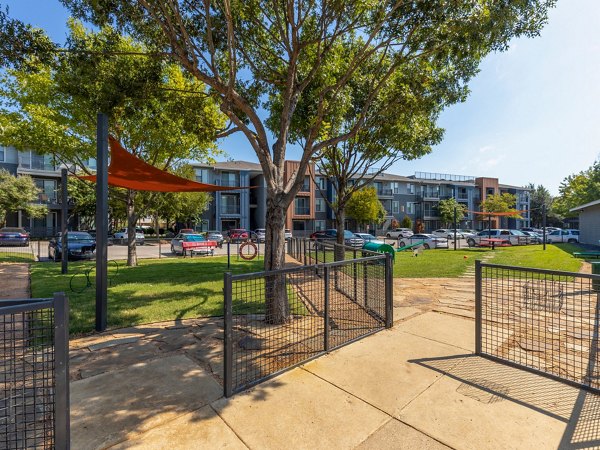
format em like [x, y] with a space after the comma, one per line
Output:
[47, 190]
[319, 205]
[410, 188]
[319, 225]
[230, 204]
[395, 207]
[202, 175]
[25, 159]
[2, 150]
[489, 191]
[321, 183]
[410, 208]
[230, 179]
[306, 185]
[402, 208]
[302, 206]
[395, 187]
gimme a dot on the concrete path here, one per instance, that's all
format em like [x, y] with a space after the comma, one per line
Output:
[416, 385]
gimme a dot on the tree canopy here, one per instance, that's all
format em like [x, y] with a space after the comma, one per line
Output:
[364, 206]
[578, 189]
[17, 194]
[446, 210]
[501, 203]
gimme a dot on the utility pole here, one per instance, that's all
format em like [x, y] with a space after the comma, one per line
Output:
[64, 243]
[544, 224]
[455, 228]
[101, 222]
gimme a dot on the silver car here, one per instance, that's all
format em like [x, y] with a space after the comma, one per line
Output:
[427, 241]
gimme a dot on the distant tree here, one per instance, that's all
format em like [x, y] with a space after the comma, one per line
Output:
[541, 196]
[364, 206]
[578, 189]
[446, 210]
[18, 193]
[406, 222]
[501, 203]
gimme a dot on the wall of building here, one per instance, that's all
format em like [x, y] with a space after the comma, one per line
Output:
[589, 225]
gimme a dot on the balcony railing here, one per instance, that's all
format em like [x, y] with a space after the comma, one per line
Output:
[302, 210]
[385, 192]
[230, 183]
[47, 199]
[229, 209]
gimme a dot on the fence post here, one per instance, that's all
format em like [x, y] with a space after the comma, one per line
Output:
[228, 337]
[365, 283]
[304, 250]
[478, 307]
[159, 248]
[39, 250]
[326, 309]
[389, 292]
[61, 371]
[355, 278]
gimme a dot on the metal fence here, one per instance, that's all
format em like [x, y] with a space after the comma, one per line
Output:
[541, 320]
[324, 306]
[18, 253]
[34, 383]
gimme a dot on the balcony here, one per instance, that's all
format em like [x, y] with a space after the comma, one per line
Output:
[302, 210]
[230, 183]
[385, 192]
[45, 199]
[230, 209]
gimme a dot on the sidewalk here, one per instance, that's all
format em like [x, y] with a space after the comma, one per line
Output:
[414, 386]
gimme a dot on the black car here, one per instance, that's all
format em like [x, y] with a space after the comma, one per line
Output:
[80, 245]
[12, 236]
[350, 238]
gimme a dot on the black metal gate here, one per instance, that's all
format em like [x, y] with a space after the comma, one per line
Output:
[544, 321]
[34, 373]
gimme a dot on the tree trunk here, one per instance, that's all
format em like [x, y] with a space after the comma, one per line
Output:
[131, 225]
[340, 219]
[276, 298]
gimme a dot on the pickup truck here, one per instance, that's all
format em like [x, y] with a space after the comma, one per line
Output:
[398, 233]
[183, 244]
[509, 237]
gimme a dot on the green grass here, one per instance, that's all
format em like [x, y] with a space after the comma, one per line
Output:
[444, 263]
[155, 290]
[555, 257]
[16, 257]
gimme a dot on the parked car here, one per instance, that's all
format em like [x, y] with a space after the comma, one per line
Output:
[177, 247]
[551, 229]
[330, 235]
[80, 245]
[509, 237]
[368, 238]
[238, 235]
[216, 236]
[109, 238]
[535, 230]
[399, 233]
[536, 238]
[448, 233]
[467, 233]
[429, 241]
[571, 236]
[260, 234]
[121, 236]
[12, 236]
[287, 234]
[188, 231]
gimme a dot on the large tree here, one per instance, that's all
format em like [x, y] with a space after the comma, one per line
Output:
[447, 210]
[578, 189]
[156, 110]
[19, 193]
[364, 207]
[282, 71]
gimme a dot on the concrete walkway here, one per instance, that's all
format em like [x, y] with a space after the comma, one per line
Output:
[416, 385]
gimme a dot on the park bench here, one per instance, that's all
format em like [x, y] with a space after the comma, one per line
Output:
[586, 254]
[204, 247]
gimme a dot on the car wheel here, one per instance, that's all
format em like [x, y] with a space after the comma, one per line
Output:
[426, 246]
[572, 241]
[471, 242]
[402, 244]
[388, 235]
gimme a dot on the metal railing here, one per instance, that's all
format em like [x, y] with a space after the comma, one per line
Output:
[543, 321]
[34, 373]
[326, 306]
[18, 253]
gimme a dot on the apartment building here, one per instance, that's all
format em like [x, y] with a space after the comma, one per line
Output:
[46, 175]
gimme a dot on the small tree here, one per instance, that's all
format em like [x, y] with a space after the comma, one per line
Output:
[446, 210]
[406, 222]
[501, 203]
[18, 193]
[364, 206]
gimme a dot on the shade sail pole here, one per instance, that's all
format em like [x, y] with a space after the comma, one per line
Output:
[101, 222]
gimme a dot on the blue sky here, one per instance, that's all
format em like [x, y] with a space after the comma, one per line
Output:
[532, 115]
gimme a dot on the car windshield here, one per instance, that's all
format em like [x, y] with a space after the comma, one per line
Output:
[193, 237]
[78, 236]
[348, 234]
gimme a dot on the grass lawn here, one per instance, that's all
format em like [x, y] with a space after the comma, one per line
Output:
[449, 263]
[156, 290]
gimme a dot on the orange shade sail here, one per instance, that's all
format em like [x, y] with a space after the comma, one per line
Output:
[129, 172]
[498, 214]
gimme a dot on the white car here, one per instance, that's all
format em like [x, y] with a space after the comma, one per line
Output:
[428, 241]
[288, 234]
[448, 233]
[398, 233]
[121, 236]
[571, 236]
[509, 237]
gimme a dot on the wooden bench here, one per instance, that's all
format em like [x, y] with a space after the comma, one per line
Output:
[586, 254]
[204, 247]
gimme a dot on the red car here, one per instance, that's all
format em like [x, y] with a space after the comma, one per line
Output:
[238, 235]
